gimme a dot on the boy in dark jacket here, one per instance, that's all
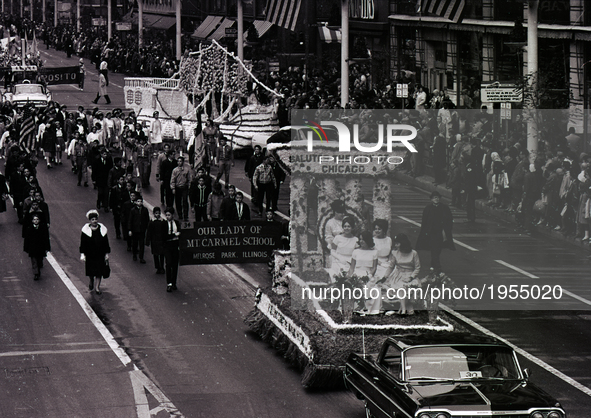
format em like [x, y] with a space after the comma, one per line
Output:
[138, 225]
[155, 239]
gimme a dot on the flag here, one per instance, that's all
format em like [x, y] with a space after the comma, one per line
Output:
[34, 46]
[27, 130]
[199, 158]
[448, 9]
[283, 13]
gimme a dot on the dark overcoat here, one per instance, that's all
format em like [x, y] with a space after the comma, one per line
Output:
[36, 240]
[436, 228]
[94, 245]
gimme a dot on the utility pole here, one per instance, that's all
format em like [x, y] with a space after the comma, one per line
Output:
[140, 23]
[240, 38]
[109, 19]
[78, 17]
[178, 29]
[54, 13]
[344, 52]
[532, 71]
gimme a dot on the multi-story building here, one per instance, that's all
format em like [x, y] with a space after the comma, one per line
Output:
[489, 45]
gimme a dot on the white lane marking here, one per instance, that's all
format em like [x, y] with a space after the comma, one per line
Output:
[517, 269]
[139, 394]
[37, 353]
[520, 351]
[461, 244]
[577, 297]
[117, 349]
[165, 403]
[87, 71]
[140, 381]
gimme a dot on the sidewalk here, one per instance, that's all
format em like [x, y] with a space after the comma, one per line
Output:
[425, 182]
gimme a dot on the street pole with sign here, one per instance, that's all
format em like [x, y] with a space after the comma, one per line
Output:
[532, 70]
[344, 53]
[402, 93]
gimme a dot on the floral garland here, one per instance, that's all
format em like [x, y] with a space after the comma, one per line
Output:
[215, 68]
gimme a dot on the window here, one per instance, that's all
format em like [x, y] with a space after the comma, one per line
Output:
[392, 361]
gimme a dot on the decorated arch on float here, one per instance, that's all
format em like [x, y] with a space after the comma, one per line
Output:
[210, 78]
[316, 334]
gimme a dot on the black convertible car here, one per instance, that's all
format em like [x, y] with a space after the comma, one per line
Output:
[446, 375]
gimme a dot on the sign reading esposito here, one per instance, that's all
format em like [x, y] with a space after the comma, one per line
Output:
[229, 242]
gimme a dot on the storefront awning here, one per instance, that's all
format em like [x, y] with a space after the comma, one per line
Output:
[220, 32]
[329, 35]
[206, 27]
[262, 26]
[158, 21]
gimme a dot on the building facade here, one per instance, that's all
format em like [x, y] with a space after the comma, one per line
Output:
[489, 46]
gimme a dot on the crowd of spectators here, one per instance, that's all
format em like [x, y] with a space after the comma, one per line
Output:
[461, 147]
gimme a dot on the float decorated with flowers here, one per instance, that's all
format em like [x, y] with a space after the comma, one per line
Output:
[316, 335]
[213, 78]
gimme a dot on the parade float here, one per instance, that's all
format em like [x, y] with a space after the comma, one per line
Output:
[313, 333]
[212, 79]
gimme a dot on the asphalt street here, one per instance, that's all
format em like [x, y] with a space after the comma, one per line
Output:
[190, 353]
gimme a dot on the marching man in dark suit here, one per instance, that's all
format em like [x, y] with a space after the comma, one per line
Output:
[436, 230]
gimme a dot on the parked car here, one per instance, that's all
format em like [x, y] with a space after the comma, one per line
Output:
[446, 375]
[28, 93]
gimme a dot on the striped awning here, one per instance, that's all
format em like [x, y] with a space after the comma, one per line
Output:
[206, 27]
[262, 26]
[329, 35]
[158, 21]
[220, 32]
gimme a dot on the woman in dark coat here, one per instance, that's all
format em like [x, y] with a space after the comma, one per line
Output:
[436, 230]
[94, 250]
[37, 244]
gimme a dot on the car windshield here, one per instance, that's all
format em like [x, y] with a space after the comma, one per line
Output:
[28, 89]
[460, 363]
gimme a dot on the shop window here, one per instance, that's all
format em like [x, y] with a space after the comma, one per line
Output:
[508, 10]
[555, 12]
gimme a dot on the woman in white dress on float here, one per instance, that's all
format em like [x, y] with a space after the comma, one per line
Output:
[404, 269]
[342, 248]
[383, 245]
[364, 260]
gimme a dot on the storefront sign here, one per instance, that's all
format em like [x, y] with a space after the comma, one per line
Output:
[229, 242]
[123, 26]
[500, 93]
[361, 9]
[231, 33]
[99, 21]
[61, 75]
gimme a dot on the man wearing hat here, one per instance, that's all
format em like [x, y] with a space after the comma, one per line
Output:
[436, 230]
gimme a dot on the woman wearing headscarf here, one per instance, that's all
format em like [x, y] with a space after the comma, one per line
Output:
[94, 250]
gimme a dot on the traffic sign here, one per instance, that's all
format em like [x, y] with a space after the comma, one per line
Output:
[402, 90]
